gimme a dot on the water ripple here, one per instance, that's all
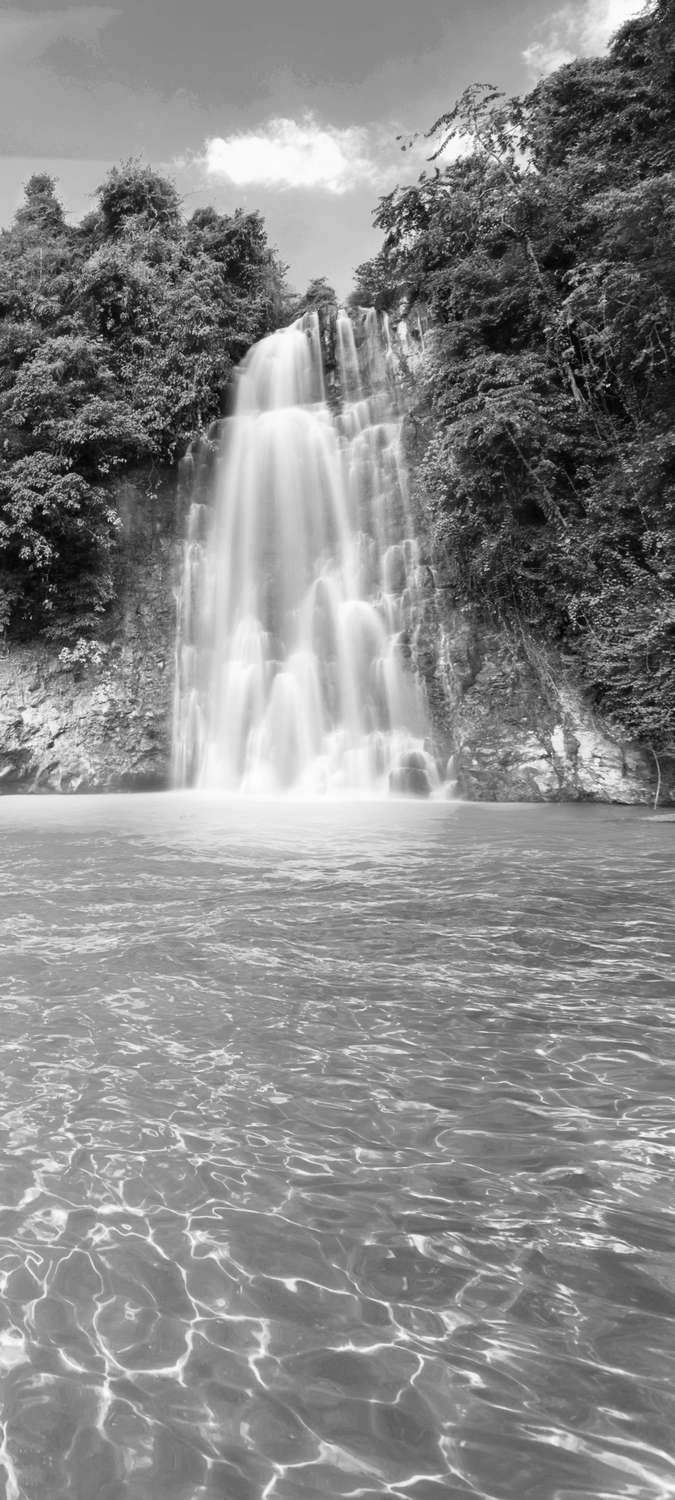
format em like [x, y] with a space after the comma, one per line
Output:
[336, 1152]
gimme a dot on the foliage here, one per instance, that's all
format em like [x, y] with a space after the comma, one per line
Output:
[372, 286]
[55, 534]
[117, 341]
[133, 195]
[543, 429]
[319, 294]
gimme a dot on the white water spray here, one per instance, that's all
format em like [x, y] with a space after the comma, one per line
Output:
[300, 582]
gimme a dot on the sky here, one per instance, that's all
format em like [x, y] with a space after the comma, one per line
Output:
[292, 107]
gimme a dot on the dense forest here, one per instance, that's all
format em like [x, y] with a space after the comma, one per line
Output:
[542, 430]
[117, 340]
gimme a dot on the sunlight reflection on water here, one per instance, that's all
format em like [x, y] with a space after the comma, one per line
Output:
[337, 1150]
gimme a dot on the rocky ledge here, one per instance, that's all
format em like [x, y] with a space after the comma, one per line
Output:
[520, 730]
[95, 717]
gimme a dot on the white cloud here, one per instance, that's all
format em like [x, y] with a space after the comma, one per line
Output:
[603, 18]
[295, 154]
[581, 29]
[545, 56]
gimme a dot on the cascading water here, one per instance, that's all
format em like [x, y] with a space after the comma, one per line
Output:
[300, 581]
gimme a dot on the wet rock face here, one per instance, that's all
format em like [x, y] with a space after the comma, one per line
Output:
[518, 730]
[95, 719]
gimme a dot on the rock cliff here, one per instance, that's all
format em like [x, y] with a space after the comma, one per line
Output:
[94, 719]
[517, 727]
[96, 716]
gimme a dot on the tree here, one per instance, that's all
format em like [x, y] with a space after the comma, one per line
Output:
[543, 427]
[135, 193]
[117, 342]
[319, 295]
[372, 287]
[41, 210]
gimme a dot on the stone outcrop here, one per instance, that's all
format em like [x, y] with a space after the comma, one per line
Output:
[517, 728]
[96, 718]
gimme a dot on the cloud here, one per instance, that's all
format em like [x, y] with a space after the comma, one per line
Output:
[287, 153]
[581, 29]
[26, 38]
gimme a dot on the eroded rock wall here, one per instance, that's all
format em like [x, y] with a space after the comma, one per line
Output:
[96, 717]
[518, 728]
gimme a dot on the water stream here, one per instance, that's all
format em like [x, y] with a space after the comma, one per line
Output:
[300, 580]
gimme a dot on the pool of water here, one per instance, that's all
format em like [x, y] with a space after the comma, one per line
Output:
[337, 1151]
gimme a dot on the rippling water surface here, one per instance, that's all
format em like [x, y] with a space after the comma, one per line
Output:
[337, 1151]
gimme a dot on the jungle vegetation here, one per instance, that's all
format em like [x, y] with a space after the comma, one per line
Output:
[118, 337]
[542, 428]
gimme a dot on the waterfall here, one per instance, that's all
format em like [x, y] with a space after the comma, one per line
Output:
[300, 579]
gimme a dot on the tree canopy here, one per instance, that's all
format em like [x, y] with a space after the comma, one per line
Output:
[118, 337]
[544, 440]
